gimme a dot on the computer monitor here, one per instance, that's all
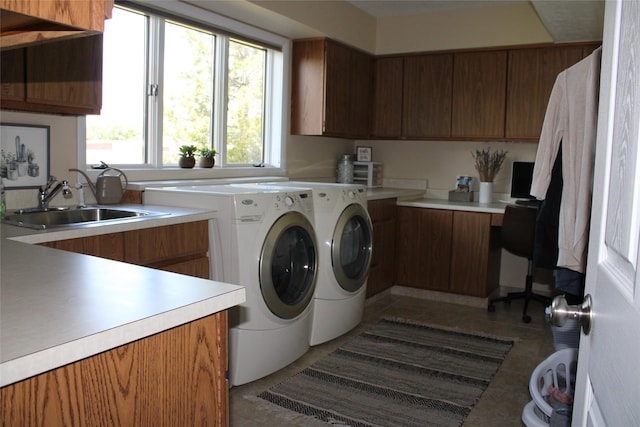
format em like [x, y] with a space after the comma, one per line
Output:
[521, 178]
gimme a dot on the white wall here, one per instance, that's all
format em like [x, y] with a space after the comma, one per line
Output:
[438, 162]
[63, 154]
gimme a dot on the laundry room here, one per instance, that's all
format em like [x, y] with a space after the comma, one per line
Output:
[347, 219]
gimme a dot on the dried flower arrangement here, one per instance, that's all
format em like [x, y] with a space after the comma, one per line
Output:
[488, 163]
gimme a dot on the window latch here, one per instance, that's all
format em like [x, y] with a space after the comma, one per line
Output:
[153, 90]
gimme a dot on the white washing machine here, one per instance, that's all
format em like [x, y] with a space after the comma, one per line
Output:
[345, 237]
[263, 239]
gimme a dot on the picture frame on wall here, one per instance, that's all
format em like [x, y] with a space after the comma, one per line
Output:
[363, 154]
[24, 155]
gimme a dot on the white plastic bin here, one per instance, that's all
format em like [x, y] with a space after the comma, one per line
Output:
[558, 370]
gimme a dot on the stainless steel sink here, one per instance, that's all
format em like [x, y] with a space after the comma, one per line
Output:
[50, 218]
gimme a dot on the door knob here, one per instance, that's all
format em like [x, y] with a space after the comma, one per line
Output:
[559, 311]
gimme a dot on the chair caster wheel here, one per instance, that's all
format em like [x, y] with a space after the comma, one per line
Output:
[491, 308]
[526, 319]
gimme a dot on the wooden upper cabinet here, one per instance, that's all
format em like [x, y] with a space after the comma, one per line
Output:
[331, 89]
[63, 77]
[427, 96]
[70, 83]
[39, 21]
[495, 95]
[479, 92]
[532, 73]
[387, 97]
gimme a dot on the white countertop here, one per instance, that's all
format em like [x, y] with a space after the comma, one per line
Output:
[496, 207]
[392, 193]
[58, 307]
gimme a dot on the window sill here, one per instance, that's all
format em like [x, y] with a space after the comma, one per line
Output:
[139, 178]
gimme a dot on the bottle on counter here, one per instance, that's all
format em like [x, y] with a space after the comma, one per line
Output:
[3, 202]
[345, 169]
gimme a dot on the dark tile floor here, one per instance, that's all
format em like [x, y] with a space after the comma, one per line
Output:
[500, 405]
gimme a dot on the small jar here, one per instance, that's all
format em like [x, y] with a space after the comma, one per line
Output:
[345, 169]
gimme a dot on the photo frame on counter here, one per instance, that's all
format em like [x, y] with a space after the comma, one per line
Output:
[363, 154]
[24, 155]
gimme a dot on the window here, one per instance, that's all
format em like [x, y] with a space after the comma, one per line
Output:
[169, 81]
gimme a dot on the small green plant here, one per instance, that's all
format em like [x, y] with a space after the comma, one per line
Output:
[188, 150]
[208, 153]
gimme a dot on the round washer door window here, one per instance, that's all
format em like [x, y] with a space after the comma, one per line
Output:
[288, 265]
[351, 248]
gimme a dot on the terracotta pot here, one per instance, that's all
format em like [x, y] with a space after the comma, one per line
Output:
[187, 162]
[206, 162]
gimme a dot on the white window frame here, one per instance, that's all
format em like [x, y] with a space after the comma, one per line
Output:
[276, 124]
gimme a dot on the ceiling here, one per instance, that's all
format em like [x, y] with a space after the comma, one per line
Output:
[566, 20]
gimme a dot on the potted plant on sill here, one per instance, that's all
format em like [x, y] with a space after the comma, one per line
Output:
[187, 158]
[488, 165]
[206, 158]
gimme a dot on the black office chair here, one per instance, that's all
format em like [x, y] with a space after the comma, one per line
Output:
[518, 234]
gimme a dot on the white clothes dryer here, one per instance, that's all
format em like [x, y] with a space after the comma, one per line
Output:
[345, 238]
[262, 239]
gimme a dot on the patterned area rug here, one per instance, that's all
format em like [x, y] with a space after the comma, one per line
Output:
[396, 373]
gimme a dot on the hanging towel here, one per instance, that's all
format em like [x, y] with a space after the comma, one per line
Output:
[571, 117]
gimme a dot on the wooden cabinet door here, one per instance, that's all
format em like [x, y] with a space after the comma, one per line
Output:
[383, 219]
[198, 267]
[427, 96]
[470, 250]
[331, 89]
[347, 109]
[337, 90]
[479, 94]
[109, 246]
[532, 73]
[173, 378]
[387, 98]
[424, 248]
[307, 87]
[162, 246]
[360, 107]
[66, 76]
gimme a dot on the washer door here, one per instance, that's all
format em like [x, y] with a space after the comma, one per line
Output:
[351, 248]
[288, 265]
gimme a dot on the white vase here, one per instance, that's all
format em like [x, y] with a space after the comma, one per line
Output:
[486, 192]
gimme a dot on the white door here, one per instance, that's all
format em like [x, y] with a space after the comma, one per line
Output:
[608, 379]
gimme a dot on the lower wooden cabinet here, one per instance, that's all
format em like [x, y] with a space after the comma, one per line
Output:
[475, 254]
[109, 246]
[173, 378]
[383, 219]
[181, 248]
[424, 248]
[447, 251]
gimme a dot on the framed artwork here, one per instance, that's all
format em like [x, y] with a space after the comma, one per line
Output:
[363, 154]
[24, 155]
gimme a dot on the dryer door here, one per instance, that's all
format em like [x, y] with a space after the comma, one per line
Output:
[351, 248]
[288, 265]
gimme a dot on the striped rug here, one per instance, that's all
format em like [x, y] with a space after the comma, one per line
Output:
[396, 373]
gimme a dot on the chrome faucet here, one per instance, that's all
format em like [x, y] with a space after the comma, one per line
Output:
[45, 194]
